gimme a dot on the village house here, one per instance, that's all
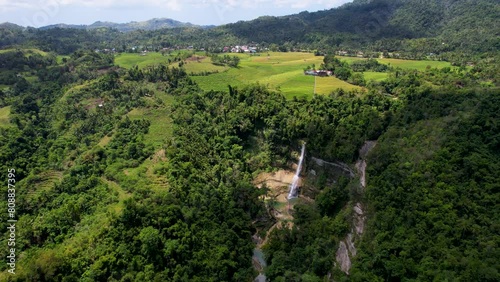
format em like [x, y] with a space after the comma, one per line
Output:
[318, 72]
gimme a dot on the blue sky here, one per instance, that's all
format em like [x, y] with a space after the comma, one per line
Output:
[203, 12]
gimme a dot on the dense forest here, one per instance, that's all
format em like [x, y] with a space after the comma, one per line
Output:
[140, 175]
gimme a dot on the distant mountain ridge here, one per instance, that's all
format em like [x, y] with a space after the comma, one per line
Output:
[153, 24]
[413, 26]
[472, 25]
[7, 25]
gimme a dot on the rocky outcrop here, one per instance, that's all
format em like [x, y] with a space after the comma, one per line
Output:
[347, 249]
[343, 257]
[359, 219]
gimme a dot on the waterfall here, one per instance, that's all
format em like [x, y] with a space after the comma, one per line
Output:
[295, 182]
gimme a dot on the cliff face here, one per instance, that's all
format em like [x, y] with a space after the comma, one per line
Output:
[347, 249]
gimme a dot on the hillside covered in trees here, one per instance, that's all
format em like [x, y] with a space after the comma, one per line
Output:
[137, 174]
[423, 27]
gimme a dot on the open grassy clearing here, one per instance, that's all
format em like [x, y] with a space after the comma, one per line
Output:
[147, 173]
[202, 64]
[60, 58]
[404, 64]
[418, 65]
[122, 195]
[30, 78]
[325, 85]
[104, 141]
[30, 50]
[350, 60]
[128, 60]
[161, 124]
[376, 76]
[4, 117]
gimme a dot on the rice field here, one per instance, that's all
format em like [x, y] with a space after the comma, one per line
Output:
[404, 64]
[128, 60]
[279, 71]
[376, 76]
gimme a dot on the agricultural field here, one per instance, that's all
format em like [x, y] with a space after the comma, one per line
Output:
[199, 64]
[161, 122]
[128, 60]
[325, 85]
[404, 64]
[280, 71]
[376, 76]
[283, 71]
[277, 70]
[411, 64]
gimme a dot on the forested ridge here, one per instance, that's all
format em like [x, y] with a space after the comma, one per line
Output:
[435, 196]
[432, 182]
[137, 174]
[404, 26]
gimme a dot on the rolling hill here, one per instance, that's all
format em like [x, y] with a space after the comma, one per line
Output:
[153, 24]
[412, 26]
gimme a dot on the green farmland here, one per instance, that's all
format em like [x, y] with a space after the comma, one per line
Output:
[128, 60]
[283, 71]
[277, 70]
[376, 76]
[404, 64]
[199, 64]
[418, 65]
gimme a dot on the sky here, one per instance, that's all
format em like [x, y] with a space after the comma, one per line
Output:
[38, 13]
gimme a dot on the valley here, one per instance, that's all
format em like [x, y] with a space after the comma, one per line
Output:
[355, 143]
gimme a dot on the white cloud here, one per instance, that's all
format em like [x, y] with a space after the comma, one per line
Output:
[8, 5]
[169, 4]
[223, 7]
[307, 3]
[261, 3]
[43, 12]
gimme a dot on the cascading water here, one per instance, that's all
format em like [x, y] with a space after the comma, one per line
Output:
[295, 182]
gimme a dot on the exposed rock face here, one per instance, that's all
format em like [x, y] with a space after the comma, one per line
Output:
[361, 163]
[346, 249]
[359, 219]
[343, 257]
[350, 245]
[367, 147]
[361, 167]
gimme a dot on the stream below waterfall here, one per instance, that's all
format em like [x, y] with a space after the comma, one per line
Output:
[259, 256]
